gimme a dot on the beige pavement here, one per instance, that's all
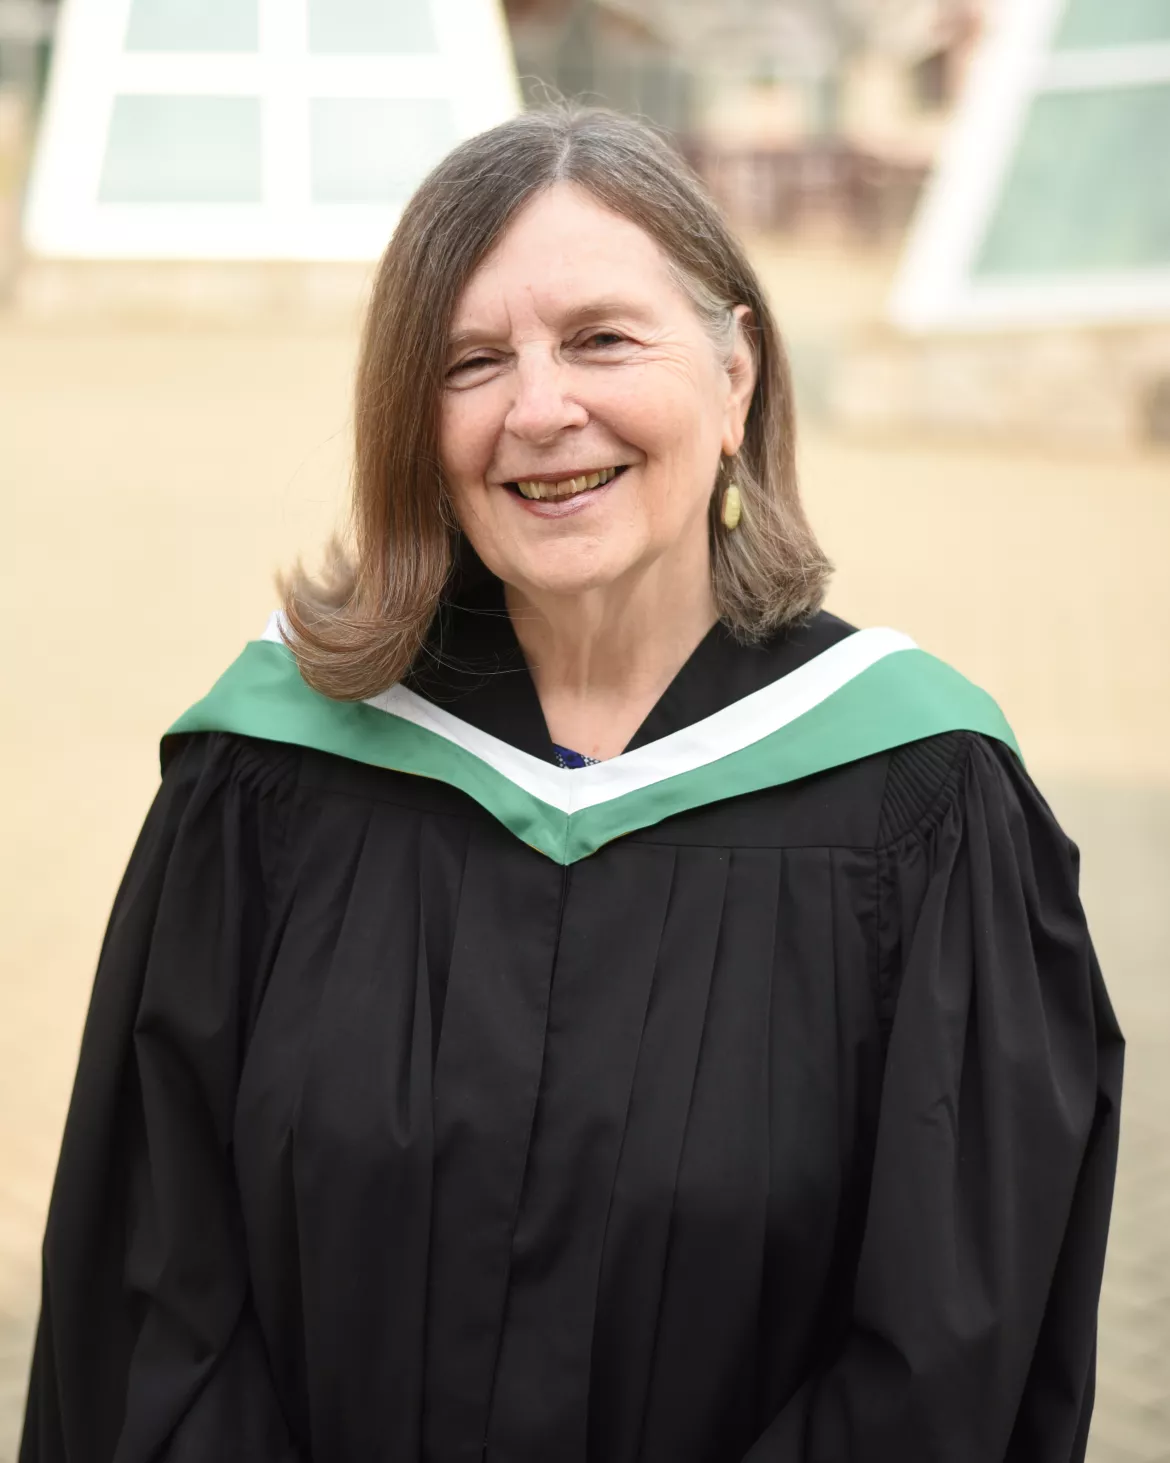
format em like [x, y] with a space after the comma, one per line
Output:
[151, 480]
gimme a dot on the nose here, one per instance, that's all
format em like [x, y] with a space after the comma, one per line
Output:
[542, 407]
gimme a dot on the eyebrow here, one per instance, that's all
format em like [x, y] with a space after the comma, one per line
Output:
[607, 306]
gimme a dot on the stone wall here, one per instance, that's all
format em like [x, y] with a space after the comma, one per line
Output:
[1107, 388]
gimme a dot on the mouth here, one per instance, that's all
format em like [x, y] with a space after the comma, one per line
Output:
[537, 490]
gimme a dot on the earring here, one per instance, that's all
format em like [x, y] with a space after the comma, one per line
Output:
[731, 508]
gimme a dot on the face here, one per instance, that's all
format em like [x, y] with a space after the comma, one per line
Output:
[585, 406]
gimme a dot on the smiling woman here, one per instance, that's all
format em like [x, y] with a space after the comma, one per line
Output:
[573, 998]
[581, 437]
[561, 274]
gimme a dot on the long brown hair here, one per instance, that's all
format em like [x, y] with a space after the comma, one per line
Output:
[357, 628]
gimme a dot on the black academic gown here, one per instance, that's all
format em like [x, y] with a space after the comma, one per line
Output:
[782, 1131]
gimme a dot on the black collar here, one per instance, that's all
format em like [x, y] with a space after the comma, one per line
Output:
[473, 667]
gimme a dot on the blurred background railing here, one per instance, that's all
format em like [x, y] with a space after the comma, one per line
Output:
[961, 213]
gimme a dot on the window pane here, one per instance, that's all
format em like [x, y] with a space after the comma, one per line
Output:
[182, 149]
[1093, 23]
[1089, 187]
[363, 27]
[375, 149]
[193, 25]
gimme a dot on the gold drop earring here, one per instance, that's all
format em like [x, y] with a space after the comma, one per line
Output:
[731, 507]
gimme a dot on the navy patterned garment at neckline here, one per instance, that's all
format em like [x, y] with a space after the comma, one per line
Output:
[566, 757]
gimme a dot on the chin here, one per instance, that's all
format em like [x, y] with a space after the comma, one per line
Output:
[568, 576]
[571, 582]
[566, 585]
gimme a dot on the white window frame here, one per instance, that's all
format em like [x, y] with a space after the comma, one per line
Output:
[936, 287]
[64, 217]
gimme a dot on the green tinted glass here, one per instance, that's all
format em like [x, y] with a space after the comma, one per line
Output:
[375, 149]
[371, 27]
[193, 25]
[1089, 186]
[182, 149]
[1088, 24]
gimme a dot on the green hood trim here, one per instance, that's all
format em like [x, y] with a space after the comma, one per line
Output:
[858, 709]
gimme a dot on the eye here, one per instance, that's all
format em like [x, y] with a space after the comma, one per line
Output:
[473, 363]
[604, 339]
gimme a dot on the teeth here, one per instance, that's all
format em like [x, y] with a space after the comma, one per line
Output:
[567, 487]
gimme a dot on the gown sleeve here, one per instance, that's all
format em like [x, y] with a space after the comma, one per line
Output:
[147, 1346]
[973, 1330]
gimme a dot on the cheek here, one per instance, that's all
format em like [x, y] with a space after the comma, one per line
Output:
[680, 433]
[671, 413]
[466, 437]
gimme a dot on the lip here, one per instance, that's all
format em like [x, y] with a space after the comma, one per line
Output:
[564, 507]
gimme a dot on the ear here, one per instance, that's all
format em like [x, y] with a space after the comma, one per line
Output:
[741, 372]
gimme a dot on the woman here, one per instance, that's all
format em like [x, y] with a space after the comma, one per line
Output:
[574, 998]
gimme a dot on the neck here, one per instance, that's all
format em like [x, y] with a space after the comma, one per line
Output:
[600, 660]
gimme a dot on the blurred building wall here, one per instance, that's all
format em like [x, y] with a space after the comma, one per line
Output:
[26, 30]
[798, 116]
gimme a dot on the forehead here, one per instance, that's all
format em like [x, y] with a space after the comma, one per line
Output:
[562, 247]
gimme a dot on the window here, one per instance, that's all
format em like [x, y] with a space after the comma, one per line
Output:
[375, 149]
[1088, 187]
[182, 149]
[255, 129]
[370, 27]
[1089, 24]
[1052, 201]
[193, 25]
